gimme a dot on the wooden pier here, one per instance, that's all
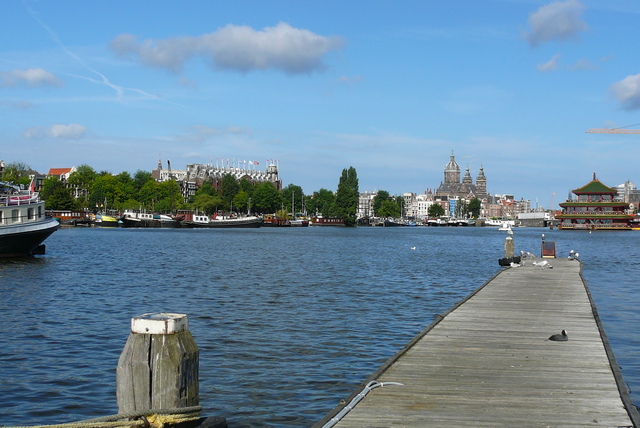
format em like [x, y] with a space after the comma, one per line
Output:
[489, 362]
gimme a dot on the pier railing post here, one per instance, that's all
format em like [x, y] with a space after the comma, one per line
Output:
[159, 365]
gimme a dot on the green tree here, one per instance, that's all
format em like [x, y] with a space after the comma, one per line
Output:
[16, 173]
[56, 195]
[389, 208]
[320, 202]
[81, 180]
[435, 210]
[241, 201]
[148, 194]
[378, 200]
[474, 207]
[169, 196]
[124, 189]
[347, 195]
[246, 186]
[207, 203]
[292, 195]
[266, 198]
[102, 194]
[229, 188]
[141, 178]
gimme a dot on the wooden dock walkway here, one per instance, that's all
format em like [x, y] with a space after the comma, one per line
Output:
[488, 362]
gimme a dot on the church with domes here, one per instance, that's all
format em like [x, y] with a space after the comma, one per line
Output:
[453, 187]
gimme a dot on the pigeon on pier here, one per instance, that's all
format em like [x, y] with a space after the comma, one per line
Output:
[561, 337]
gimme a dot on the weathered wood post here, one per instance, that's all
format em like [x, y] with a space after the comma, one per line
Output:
[159, 365]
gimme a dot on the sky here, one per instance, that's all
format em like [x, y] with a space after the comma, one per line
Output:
[392, 88]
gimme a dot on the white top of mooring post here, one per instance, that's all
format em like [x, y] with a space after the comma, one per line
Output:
[159, 323]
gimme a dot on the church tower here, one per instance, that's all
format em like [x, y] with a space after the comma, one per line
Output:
[467, 177]
[481, 183]
[452, 171]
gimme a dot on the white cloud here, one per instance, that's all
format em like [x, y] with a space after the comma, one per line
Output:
[21, 104]
[350, 79]
[71, 131]
[556, 21]
[236, 48]
[32, 77]
[551, 65]
[65, 132]
[583, 64]
[201, 133]
[34, 132]
[627, 92]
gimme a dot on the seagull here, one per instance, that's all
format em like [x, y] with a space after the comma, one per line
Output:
[561, 337]
[413, 248]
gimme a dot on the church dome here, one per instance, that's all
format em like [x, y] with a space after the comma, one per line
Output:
[452, 166]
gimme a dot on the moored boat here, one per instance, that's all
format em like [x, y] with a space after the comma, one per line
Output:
[142, 219]
[204, 221]
[327, 221]
[105, 220]
[273, 220]
[299, 222]
[23, 223]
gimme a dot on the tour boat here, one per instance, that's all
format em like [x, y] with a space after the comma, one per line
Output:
[23, 223]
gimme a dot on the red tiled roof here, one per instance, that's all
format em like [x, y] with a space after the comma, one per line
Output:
[59, 171]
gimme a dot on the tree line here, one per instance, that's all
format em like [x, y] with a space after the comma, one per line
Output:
[89, 190]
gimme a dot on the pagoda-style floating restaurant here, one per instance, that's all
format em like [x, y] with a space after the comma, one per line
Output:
[595, 208]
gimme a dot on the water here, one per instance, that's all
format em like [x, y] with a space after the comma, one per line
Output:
[288, 320]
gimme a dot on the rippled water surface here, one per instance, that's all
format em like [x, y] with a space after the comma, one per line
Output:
[288, 321]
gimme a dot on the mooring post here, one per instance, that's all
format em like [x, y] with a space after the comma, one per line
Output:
[159, 365]
[508, 248]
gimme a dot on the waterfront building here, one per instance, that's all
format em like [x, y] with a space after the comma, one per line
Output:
[628, 192]
[595, 207]
[419, 208]
[407, 200]
[197, 174]
[365, 204]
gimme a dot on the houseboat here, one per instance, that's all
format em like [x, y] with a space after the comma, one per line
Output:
[23, 223]
[195, 220]
[327, 221]
[594, 208]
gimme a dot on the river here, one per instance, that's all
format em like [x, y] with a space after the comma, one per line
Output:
[288, 320]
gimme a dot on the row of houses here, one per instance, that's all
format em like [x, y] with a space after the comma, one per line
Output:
[417, 207]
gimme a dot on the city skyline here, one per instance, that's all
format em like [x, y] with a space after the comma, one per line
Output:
[388, 88]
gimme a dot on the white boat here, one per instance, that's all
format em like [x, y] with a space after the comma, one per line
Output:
[499, 223]
[505, 226]
[23, 223]
[222, 221]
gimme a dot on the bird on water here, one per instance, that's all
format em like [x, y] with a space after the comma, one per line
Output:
[560, 337]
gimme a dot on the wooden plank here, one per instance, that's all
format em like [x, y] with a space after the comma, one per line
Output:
[489, 362]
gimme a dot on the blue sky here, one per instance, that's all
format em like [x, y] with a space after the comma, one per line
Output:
[391, 88]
